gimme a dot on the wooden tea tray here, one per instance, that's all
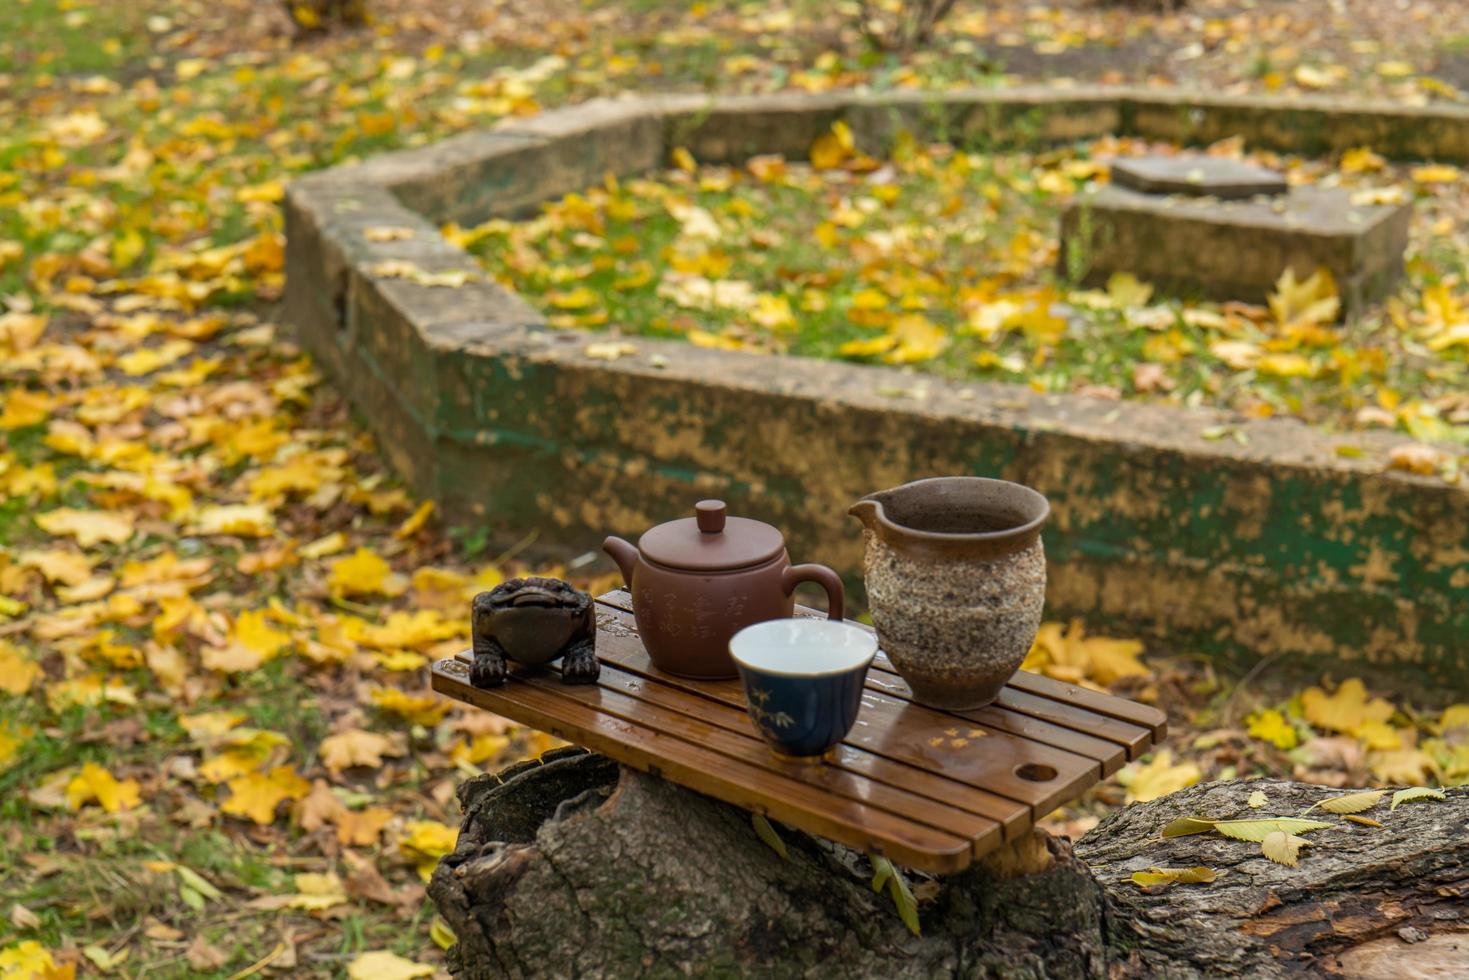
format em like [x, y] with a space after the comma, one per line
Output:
[929, 789]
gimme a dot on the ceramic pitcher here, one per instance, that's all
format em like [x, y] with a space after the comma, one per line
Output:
[956, 580]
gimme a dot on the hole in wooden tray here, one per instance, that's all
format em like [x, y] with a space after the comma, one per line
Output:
[1035, 772]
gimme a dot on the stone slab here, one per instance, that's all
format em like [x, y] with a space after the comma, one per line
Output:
[1197, 176]
[1236, 249]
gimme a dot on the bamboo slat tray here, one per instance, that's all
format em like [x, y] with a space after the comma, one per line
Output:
[929, 789]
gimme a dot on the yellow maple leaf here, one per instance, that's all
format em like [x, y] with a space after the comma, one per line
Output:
[95, 784]
[240, 520]
[415, 630]
[233, 658]
[1310, 301]
[253, 631]
[168, 665]
[426, 710]
[833, 148]
[361, 573]
[1126, 291]
[29, 960]
[146, 360]
[438, 587]
[57, 565]
[425, 841]
[362, 828]
[90, 690]
[257, 794]
[1269, 725]
[1406, 765]
[23, 407]
[480, 748]
[1361, 160]
[1037, 321]
[207, 726]
[1072, 656]
[919, 339]
[88, 527]
[302, 473]
[241, 751]
[773, 312]
[1158, 778]
[1346, 710]
[1378, 735]
[356, 747]
[17, 671]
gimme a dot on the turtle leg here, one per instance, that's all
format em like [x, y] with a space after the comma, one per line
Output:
[488, 669]
[579, 662]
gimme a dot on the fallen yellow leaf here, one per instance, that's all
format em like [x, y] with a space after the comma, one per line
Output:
[257, 794]
[1346, 710]
[95, 784]
[385, 965]
[87, 527]
[362, 573]
[1159, 777]
[17, 671]
[425, 842]
[356, 747]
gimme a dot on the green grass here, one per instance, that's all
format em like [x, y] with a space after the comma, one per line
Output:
[961, 244]
[71, 37]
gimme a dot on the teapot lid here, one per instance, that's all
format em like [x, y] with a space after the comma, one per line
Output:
[710, 541]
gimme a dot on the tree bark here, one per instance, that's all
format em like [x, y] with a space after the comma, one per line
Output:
[575, 867]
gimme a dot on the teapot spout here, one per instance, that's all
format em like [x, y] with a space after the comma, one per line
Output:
[866, 510]
[626, 556]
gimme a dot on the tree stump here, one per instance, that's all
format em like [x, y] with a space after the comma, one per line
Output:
[574, 866]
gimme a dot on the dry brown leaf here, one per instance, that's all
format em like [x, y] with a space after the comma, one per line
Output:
[203, 956]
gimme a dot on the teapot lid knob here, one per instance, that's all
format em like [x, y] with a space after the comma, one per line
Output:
[710, 515]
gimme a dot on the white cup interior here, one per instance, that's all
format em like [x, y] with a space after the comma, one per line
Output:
[803, 647]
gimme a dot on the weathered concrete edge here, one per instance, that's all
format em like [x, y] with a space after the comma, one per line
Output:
[428, 325]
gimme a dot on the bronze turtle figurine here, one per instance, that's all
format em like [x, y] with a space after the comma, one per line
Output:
[533, 621]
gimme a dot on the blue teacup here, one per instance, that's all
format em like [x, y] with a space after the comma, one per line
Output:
[803, 680]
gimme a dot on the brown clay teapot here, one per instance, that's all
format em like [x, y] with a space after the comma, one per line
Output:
[698, 581]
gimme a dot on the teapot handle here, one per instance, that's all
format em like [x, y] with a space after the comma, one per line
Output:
[822, 576]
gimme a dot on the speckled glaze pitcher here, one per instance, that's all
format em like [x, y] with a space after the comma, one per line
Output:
[956, 580]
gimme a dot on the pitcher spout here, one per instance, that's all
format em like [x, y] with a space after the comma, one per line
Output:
[867, 510]
[625, 554]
